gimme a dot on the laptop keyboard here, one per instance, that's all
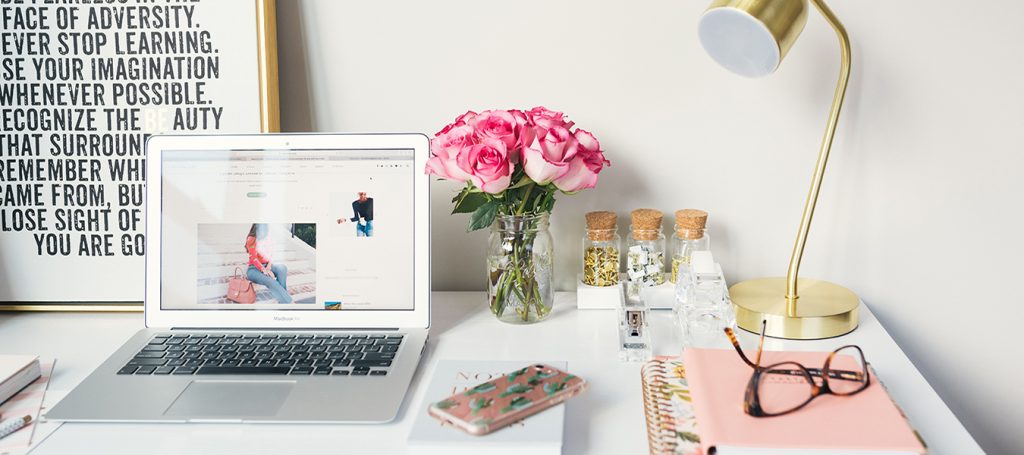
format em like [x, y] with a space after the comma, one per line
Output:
[293, 354]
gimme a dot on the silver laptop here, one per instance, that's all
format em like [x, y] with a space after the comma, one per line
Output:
[287, 280]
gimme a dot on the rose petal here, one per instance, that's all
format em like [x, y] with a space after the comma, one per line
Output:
[494, 186]
[587, 141]
[487, 165]
[579, 176]
[538, 167]
[556, 145]
[454, 171]
[496, 124]
[465, 118]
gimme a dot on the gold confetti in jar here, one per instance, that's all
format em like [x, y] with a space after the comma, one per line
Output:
[690, 235]
[601, 246]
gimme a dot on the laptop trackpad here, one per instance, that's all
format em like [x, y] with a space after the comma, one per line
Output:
[231, 399]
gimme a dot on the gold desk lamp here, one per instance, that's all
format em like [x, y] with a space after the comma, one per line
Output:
[750, 38]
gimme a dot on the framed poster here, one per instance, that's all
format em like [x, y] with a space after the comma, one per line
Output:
[82, 85]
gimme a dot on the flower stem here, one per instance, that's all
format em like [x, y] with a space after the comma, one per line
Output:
[526, 197]
[515, 284]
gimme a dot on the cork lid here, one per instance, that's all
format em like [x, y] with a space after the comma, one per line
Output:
[601, 225]
[690, 223]
[646, 224]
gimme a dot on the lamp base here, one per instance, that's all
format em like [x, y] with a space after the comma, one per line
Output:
[824, 310]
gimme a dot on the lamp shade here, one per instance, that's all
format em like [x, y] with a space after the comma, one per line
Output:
[751, 37]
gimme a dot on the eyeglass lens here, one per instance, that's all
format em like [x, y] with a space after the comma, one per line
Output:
[848, 372]
[783, 387]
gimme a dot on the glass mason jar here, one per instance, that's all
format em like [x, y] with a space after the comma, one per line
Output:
[601, 257]
[645, 260]
[520, 260]
[684, 242]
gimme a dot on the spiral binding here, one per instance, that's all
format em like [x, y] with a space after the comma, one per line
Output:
[661, 430]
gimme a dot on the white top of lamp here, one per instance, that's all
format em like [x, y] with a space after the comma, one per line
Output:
[751, 37]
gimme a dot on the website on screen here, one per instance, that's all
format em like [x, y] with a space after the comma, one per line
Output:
[287, 230]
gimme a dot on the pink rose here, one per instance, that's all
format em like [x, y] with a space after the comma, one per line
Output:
[587, 162]
[520, 117]
[545, 119]
[547, 155]
[488, 165]
[464, 119]
[446, 147]
[522, 125]
[459, 121]
[496, 124]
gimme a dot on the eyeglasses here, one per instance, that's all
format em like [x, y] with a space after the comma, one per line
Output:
[784, 387]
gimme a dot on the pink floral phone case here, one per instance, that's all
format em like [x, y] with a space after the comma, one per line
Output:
[507, 399]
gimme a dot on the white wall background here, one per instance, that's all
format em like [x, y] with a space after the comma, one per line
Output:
[921, 209]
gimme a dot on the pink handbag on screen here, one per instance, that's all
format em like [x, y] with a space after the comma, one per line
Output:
[240, 290]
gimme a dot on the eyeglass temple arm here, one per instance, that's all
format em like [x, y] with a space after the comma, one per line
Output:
[736, 344]
[835, 374]
[838, 374]
[760, 344]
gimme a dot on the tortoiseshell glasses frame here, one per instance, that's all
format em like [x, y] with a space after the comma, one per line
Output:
[752, 399]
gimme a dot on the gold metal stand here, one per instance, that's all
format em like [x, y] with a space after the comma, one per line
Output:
[824, 309]
[266, 37]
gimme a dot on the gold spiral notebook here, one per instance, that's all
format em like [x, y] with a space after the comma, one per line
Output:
[671, 424]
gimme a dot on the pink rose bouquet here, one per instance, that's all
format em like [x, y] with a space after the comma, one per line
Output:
[514, 162]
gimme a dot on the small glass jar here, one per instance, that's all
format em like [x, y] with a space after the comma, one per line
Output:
[690, 234]
[645, 256]
[601, 247]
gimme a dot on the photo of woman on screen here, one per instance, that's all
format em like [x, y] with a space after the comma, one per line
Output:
[362, 215]
[261, 269]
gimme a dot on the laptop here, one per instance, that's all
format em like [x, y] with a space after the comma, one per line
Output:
[287, 280]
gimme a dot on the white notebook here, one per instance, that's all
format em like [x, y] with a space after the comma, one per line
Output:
[16, 372]
[538, 434]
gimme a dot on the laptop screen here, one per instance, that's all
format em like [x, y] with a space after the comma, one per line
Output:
[287, 230]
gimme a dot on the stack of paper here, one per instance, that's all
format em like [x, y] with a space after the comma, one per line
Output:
[28, 402]
[16, 372]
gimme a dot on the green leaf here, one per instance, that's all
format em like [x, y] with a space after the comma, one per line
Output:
[517, 403]
[483, 216]
[446, 404]
[515, 374]
[687, 436]
[515, 389]
[468, 202]
[476, 404]
[548, 204]
[482, 388]
[551, 388]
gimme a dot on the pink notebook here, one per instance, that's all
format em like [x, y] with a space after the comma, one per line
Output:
[868, 422]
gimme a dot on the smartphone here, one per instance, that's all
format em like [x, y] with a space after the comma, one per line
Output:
[509, 398]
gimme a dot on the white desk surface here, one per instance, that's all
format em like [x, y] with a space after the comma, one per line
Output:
[608, 418]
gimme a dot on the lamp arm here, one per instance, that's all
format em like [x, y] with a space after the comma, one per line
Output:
[819, 168]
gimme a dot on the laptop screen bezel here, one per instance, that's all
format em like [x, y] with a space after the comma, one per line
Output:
[417, 317]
